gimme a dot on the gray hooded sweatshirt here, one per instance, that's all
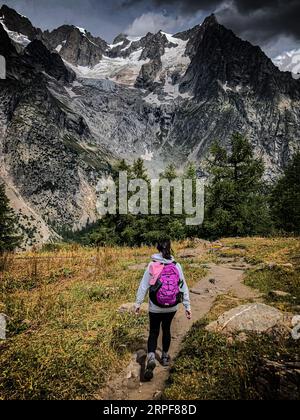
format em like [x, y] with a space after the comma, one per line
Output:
[145, 285]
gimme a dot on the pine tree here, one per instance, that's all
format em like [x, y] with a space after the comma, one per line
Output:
[9, 238]
[285, 198]
[169, 173]
[190, 171]
[138, 170]
[123, 166]
[236, 203]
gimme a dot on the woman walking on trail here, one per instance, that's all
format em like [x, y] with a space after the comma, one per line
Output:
[165, 282]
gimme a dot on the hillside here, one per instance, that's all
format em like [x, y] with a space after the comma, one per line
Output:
[67, 340]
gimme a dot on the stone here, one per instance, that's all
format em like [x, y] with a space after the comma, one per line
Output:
[279, 293]
[256, 317]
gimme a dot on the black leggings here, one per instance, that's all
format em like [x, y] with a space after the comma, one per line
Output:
[155, 320]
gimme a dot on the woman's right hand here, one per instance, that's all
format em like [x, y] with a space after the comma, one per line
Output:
[188, 314]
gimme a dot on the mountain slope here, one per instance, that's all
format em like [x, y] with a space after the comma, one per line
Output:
[48, 156]
[76, 45]
[72, 104]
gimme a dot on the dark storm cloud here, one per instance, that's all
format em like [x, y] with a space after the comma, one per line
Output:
[186, 7]
[268, 18]
[101, 17]
[272, 24]
[258, 19]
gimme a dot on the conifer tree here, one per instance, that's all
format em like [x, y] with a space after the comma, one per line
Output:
[285, 198]
[236, 202]
[9, 238]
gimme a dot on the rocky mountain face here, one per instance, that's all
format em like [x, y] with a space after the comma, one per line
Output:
[236, 87]
[18, 23]
[72, 104]
[42, 59]
[221, 57]
[49, 160]
[76, 45]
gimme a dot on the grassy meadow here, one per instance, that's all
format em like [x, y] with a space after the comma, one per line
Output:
[65, 335]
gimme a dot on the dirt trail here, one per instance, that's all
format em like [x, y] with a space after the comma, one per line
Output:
[221, 279]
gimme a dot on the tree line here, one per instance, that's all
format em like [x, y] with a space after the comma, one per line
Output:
[238, 202]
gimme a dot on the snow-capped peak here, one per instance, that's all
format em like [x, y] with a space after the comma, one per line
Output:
[82, 30]
[170, 37]
[15, 36]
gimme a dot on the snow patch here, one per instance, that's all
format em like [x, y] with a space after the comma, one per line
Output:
[71, 93]
[84, 33]
[175, 58]
[120, 70]
[82, 30]
[15, 36]
[174, 62]
[76, 84]
[228, 88]
[118, 44]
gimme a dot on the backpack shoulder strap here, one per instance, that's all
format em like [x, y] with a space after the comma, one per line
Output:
[155, 271]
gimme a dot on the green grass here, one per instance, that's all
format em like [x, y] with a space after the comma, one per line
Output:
[269, 280]
[65, 335]
[209, 367]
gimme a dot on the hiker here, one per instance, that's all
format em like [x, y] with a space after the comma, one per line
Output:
[165, 282]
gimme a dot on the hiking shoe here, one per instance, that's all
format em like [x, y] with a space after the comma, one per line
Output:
[165, 360]
[151, 365]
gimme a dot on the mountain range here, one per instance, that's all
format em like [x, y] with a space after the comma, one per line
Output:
[72, 104]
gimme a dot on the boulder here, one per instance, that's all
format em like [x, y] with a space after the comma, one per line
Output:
[256, 317]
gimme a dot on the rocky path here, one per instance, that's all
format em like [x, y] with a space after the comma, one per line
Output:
[221, 279]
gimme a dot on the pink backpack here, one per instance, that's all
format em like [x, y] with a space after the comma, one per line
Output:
[165, 285]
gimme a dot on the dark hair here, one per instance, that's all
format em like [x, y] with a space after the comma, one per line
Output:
[164, 247]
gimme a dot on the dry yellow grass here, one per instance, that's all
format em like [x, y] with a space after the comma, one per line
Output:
[65, 335]
[266, 250]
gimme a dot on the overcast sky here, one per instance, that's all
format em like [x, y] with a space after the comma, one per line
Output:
[272, 24]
